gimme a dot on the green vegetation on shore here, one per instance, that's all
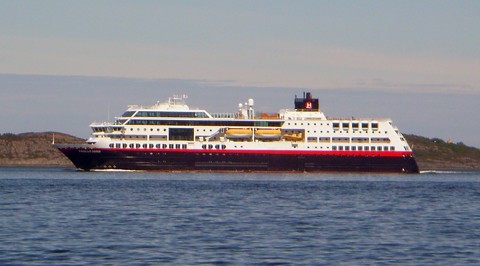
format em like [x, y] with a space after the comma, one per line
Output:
[36, 149]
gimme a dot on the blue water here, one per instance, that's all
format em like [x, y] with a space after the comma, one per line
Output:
[61, 216]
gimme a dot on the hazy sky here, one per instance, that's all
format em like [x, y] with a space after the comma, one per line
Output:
[422, 54]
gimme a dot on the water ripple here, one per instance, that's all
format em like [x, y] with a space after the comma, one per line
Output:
[51, 216]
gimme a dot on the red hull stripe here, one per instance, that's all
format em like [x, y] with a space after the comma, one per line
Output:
[279, 152]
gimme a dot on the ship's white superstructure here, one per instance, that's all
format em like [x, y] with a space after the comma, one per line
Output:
[150, 127]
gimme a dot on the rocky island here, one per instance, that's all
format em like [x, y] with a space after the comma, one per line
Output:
[36, 149]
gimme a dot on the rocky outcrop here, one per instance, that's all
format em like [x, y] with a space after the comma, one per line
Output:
[34, 149]
[437, 154]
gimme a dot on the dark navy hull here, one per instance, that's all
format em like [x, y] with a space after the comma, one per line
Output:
[201, 160]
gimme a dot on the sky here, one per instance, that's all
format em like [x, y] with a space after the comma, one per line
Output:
[64, 64]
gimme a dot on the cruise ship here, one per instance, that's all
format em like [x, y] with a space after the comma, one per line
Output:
[170, 136]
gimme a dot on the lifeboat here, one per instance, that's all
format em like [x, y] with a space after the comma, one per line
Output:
[268, 134]
[238, 133]
[294, 137]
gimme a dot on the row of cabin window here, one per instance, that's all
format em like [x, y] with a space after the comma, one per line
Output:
[355, 126]
[345, 125]
[210, 146]
[106, 129]
[346, 131]
[158, 129]
[348, 140]
[145, 146]
[363, 148]
[224, 123]
[169, 114]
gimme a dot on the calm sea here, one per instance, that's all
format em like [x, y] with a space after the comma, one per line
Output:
[61, 216]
